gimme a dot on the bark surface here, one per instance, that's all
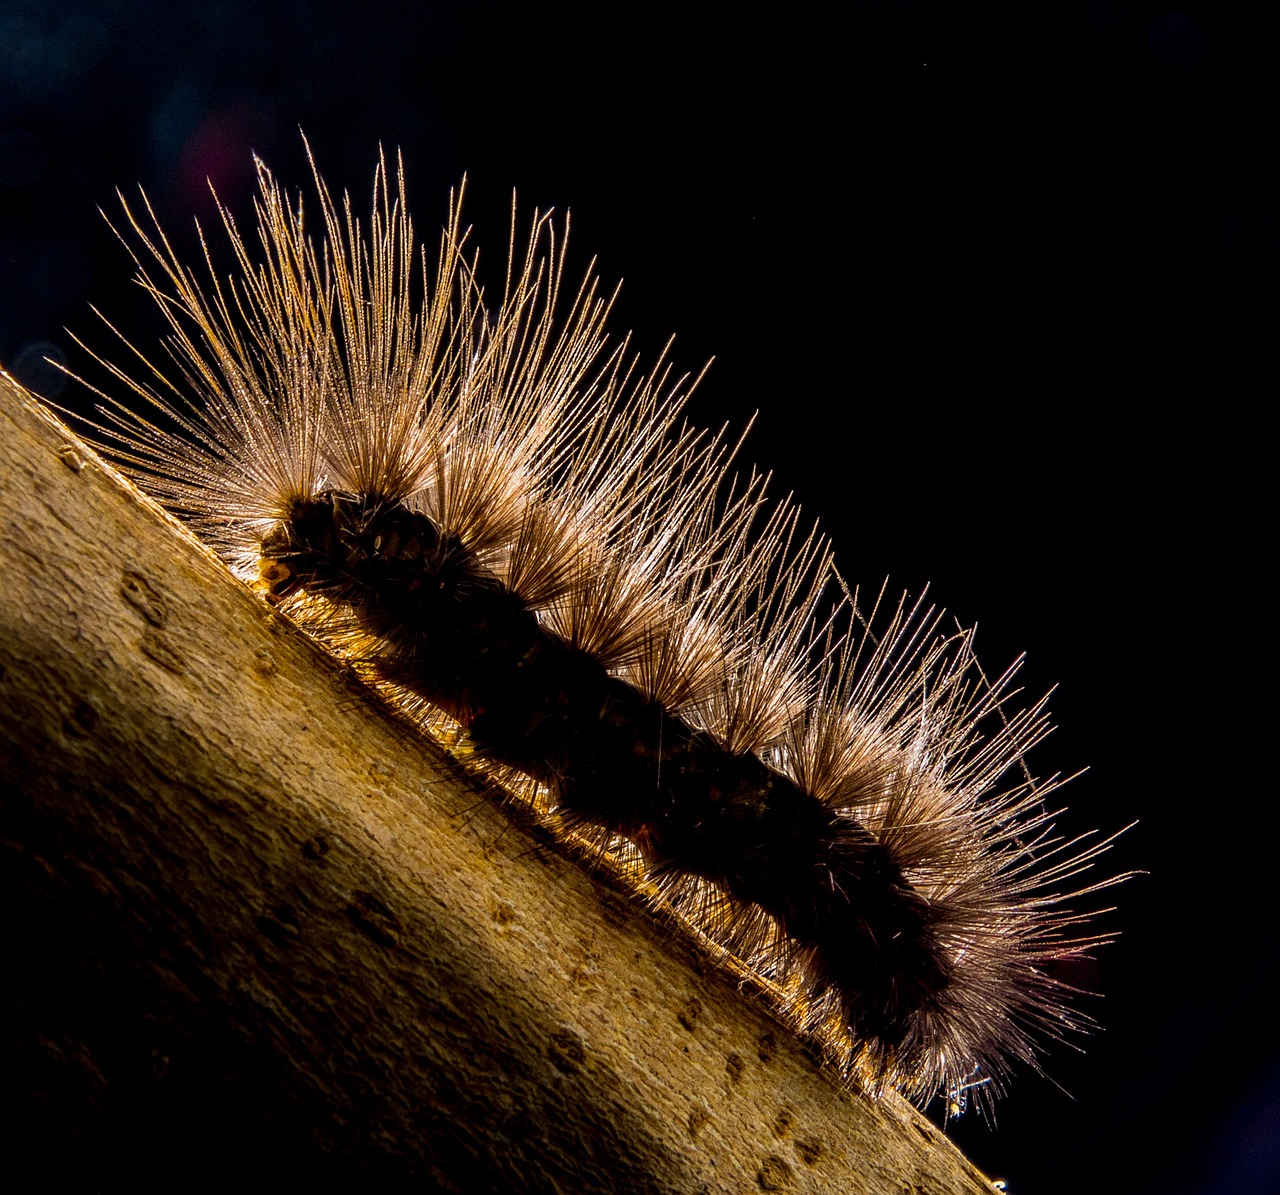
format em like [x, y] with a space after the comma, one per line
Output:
[258, 930]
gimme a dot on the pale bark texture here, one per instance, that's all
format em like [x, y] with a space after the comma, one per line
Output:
[257, 930]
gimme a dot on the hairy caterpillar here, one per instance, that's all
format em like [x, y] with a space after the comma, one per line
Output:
[496, 514]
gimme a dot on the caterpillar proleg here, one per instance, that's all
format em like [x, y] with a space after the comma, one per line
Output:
[494, 512]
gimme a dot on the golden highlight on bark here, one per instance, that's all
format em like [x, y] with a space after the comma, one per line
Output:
[260, 930]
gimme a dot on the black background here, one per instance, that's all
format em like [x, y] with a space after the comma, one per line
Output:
[999, 287]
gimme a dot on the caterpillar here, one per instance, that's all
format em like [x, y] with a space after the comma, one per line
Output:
[491, 510]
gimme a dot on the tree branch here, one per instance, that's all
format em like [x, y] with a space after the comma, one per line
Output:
[260, 928]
